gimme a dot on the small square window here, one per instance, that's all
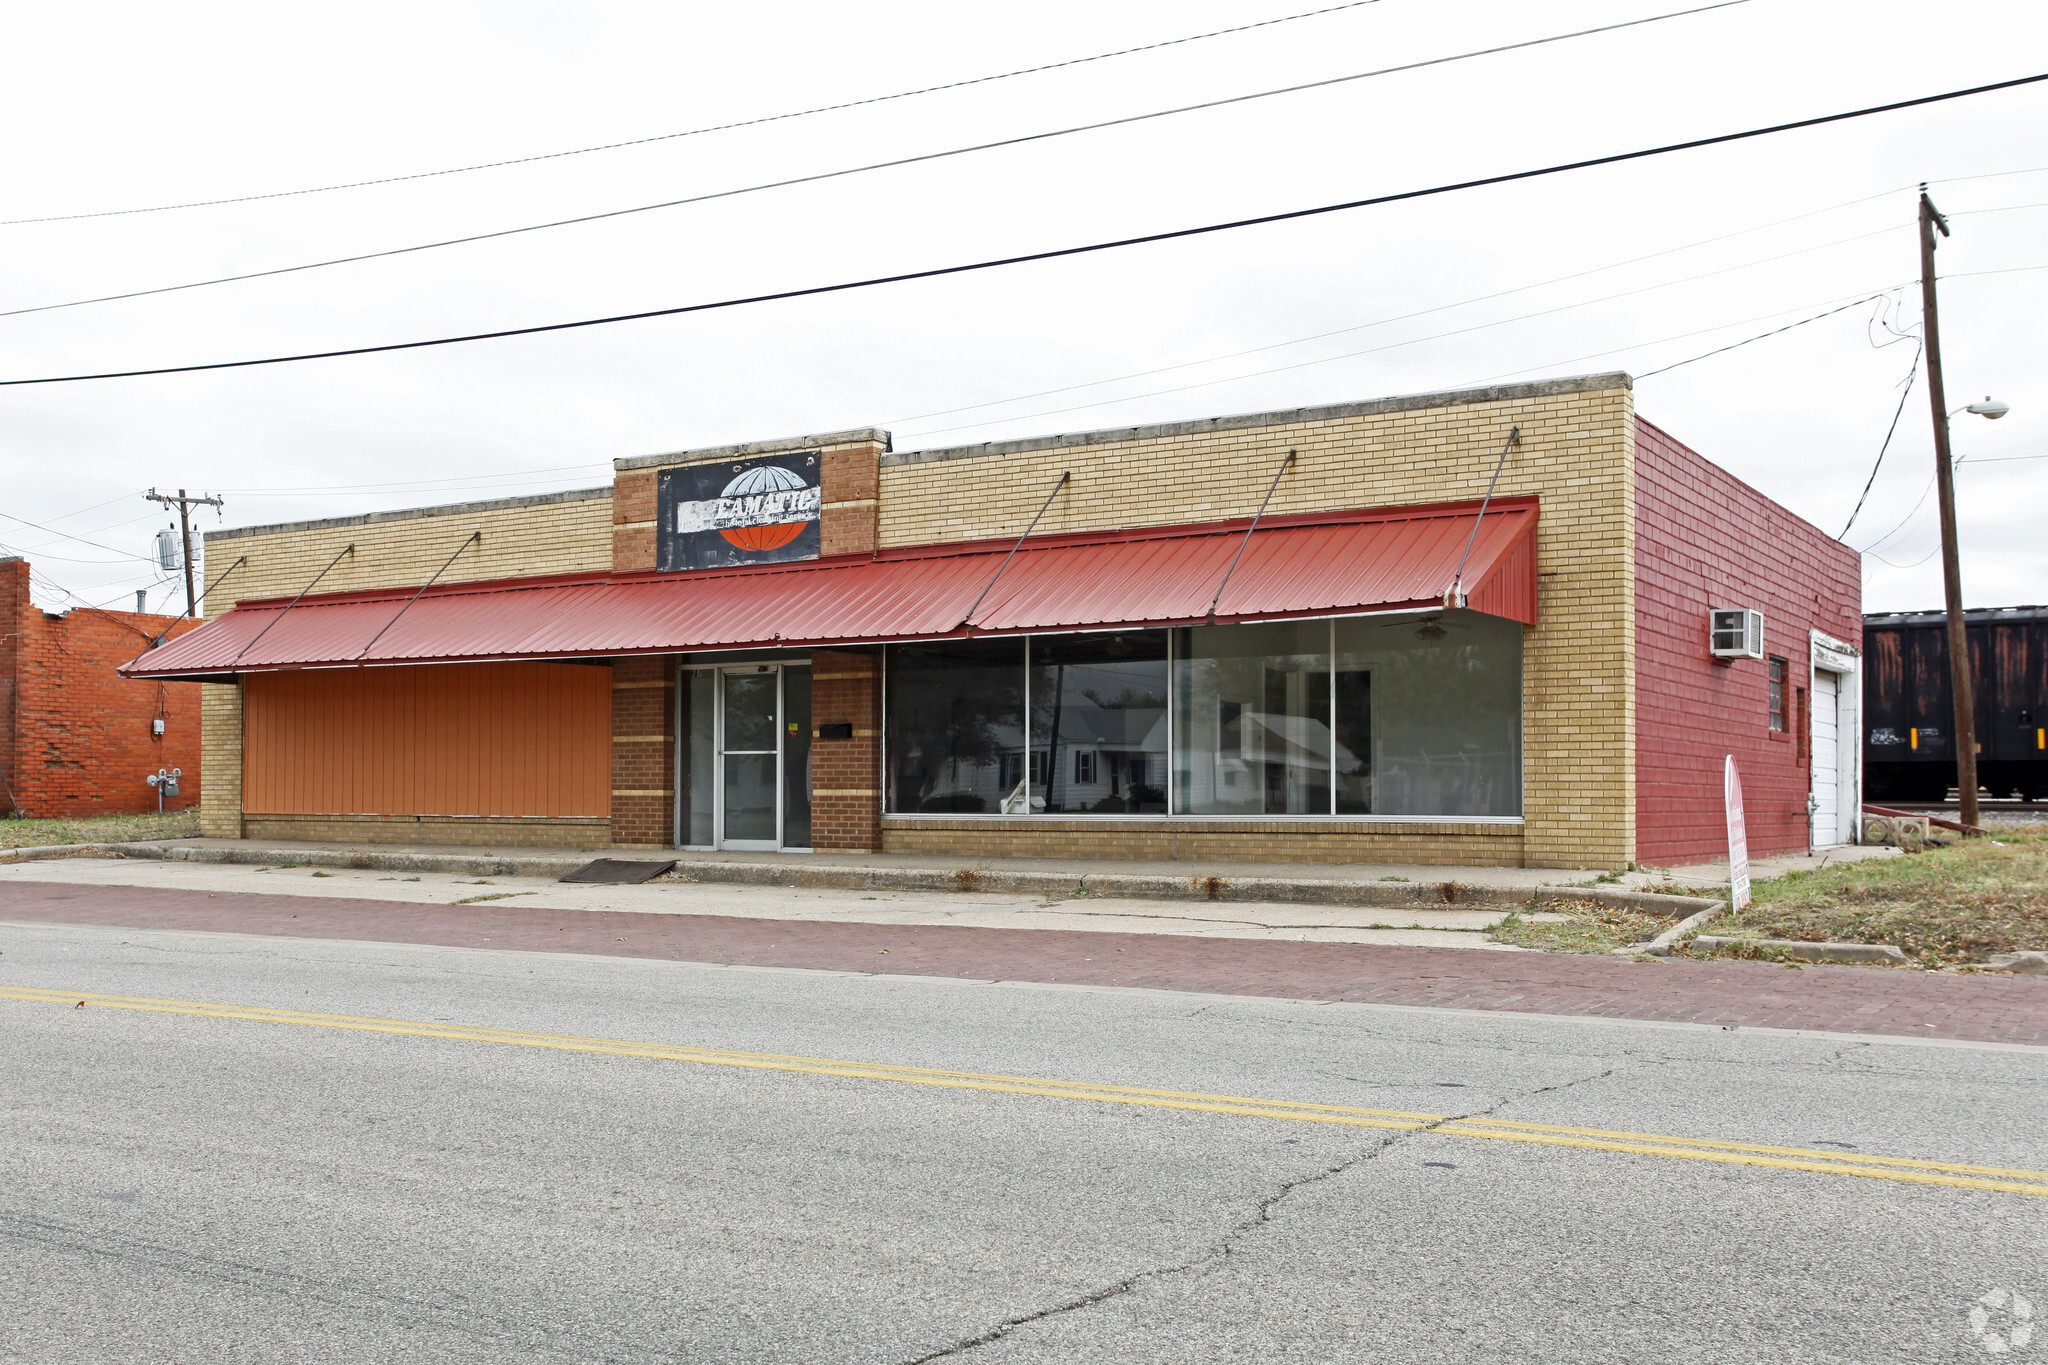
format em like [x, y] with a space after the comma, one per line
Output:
[1778, 725]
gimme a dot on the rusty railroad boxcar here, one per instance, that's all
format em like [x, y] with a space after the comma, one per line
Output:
[1909, 717]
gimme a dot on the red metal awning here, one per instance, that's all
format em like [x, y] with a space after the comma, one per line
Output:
[1322, 564]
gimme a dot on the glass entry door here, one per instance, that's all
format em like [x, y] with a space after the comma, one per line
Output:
[750, 758]
[745, 760]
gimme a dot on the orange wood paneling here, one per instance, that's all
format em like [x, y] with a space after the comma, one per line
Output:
[530, 739]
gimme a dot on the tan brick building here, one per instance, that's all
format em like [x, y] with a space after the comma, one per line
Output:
[1378, 631]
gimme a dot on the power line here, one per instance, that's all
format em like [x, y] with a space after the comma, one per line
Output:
[1911, 514]
[1905, 390]
[1384, 322]
[96, 530]
[1402, 317]
[939, 272]
[94, 508]
[1397, 345]
[80, 539]
[694, 132]
[1914, 565]
[845, 171]
[100, 607]
[1760, 336]
[1686, 336]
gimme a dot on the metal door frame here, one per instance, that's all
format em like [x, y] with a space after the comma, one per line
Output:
[718, 839]
[1844, 661]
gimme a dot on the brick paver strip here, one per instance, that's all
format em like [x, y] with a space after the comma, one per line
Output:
[1751, 994]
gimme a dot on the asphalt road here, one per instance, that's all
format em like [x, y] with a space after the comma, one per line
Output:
[386, 1183]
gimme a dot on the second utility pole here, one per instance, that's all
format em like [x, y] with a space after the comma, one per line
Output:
[185, 506]
[1951, 562]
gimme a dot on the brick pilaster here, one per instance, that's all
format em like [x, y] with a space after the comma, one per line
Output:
[633, 508]
[846, 786]
[220, 760]
[643, 751]
[849, 483]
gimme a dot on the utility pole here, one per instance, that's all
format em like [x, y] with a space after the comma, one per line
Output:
[1951, 563]
[185, 505]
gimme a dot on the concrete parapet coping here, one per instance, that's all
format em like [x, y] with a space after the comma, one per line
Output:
[1500, 393]
[780, 446]
[447, 509]
[1443, 887]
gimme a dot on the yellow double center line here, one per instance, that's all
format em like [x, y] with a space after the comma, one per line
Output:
[1903, 1169]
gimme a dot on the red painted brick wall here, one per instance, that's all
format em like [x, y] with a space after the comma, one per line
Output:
[74, 735]
[846, 788]
[1704, 538]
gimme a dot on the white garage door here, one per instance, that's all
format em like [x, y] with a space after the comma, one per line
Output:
[1827, 813]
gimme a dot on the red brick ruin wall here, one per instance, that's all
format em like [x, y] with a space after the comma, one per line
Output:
[76, 737]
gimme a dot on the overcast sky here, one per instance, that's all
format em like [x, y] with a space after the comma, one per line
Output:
[117, 107]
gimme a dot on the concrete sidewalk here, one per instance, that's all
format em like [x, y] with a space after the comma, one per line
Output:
[1846, 1000]
[1441, 927]
[1390, 886]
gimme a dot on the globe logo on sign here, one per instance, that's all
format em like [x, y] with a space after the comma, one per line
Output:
[758, 480]
[766, 510]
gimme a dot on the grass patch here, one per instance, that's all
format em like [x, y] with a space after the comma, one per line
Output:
[1593, 927]
[98, 829]
[1945, 906]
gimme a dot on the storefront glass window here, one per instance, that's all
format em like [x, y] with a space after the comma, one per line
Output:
[956, 728]
[1253, 719]
[796, 756]
[1443, 698]
[694, 790]
[1416, 715]
[1098, 712]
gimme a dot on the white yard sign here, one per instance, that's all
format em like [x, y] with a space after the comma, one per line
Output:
[1738, 840]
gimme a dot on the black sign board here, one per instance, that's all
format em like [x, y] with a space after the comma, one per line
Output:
[758, 511]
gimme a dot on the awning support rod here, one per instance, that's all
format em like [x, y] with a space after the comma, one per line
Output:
[1454, 596]
[1064, 476]
[472, 536]
[240, 560]
[1284, 466]
[347, 549]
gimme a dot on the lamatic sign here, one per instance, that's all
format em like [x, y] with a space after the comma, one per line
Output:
[760, 511]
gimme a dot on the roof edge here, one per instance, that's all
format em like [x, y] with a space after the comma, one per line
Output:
[1499, 393]
[446, 509]
[778, 446]
[1974, 616]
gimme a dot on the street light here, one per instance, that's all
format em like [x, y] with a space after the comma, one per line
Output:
[1990, 407]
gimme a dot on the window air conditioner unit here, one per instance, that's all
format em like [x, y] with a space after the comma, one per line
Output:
[1736, 632]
